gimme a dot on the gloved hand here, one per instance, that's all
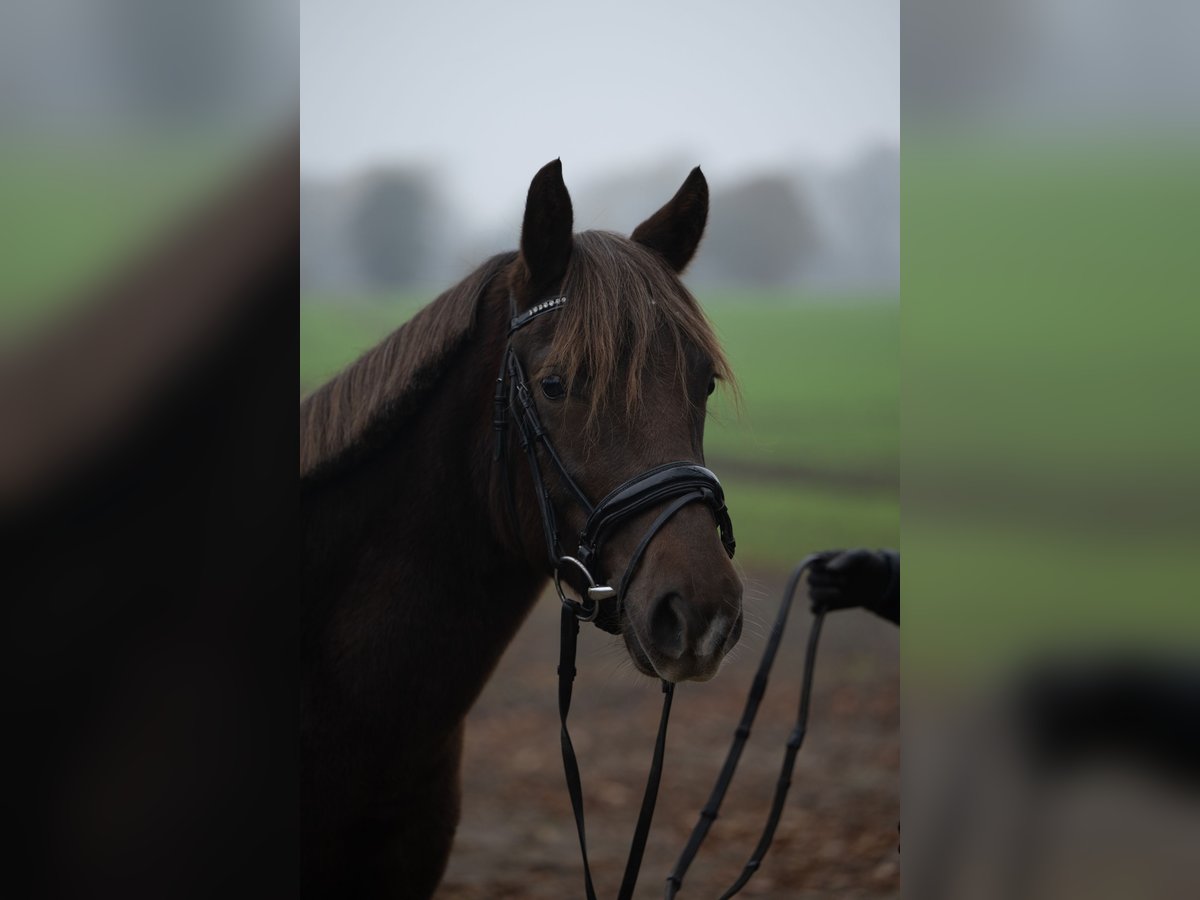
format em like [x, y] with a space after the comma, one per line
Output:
[841, 579]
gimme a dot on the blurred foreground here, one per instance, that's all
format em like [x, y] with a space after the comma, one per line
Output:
[1051, 184]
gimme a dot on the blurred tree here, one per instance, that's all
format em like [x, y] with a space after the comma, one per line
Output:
[760, 234]
[390, 228]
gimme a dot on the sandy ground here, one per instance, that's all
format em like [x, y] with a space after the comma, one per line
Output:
[839, 833]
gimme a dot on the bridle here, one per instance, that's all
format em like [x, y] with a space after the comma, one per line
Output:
[680, 483]
[675, 484]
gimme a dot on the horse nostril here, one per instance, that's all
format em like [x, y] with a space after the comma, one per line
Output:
[669, 625]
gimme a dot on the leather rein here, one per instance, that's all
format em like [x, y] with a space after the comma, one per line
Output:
[676, 485]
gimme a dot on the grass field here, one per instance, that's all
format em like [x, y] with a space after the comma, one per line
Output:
[1050, 476]
[73, 213]
[811, 461]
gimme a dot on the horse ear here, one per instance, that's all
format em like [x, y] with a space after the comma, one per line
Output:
[676, 229]
[546, 232]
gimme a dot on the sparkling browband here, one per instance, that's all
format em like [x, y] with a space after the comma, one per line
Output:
[534, 311]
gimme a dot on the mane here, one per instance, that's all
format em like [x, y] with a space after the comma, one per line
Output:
[624, 300]
[385, 383]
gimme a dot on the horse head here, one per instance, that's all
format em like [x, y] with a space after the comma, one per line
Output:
[615, 380]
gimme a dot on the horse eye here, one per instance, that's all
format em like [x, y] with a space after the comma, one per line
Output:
[712, 385]
[553, 387]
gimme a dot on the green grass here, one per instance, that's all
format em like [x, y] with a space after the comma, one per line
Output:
[336, 331]
[72, 213]
[777, 522]
[1050, 439]
[819, 380]
[813, 454]
[1053, 316]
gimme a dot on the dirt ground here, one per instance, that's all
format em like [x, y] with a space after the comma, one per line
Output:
[839, 833]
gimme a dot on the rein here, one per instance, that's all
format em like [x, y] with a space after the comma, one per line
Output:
[675, 484]
[792, 747]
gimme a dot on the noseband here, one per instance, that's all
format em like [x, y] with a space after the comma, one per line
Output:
[676, 484]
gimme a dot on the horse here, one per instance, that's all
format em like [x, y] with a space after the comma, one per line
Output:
[424, 547]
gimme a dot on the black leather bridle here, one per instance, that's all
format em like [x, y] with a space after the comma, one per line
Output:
[676, 485]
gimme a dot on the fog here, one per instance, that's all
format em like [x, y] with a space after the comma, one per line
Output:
[444, 113]
[486, 94]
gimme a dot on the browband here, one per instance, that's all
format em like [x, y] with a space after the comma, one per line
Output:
[519, 322]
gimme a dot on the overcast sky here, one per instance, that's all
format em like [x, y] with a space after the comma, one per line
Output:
[486, 93]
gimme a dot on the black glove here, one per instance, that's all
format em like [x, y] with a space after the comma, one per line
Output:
[841, 579]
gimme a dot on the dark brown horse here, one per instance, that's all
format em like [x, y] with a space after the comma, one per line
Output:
[417, 567]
